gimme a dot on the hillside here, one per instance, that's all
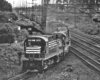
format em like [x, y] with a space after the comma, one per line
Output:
[81, 20]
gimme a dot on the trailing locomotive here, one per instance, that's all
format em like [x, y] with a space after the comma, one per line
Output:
[42, 51]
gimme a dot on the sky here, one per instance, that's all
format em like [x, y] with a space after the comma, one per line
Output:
[18, 3]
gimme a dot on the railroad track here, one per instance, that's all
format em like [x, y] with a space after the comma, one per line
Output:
[86, 50]
[95, 44]
[86, 43]
[94, 39]
[23, 76]
[87, 60]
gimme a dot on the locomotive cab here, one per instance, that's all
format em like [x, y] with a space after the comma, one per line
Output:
[34, 51]
[62, 34]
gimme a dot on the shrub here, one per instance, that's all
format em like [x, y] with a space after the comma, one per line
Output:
[6, 38]
[8, 32]
[6, 16]
[22, 35]
[90, 29]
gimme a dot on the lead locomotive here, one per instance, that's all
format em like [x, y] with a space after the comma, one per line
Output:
[42, 51]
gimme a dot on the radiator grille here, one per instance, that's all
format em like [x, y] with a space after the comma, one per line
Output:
[33, 50]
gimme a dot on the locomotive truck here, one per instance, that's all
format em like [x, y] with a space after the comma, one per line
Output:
[42, 51]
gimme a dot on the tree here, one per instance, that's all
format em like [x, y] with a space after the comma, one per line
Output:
[58, 1]
[65, 1]
[7, 33]
[5, 6]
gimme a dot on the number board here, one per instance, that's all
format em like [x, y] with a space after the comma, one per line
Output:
[35, 40]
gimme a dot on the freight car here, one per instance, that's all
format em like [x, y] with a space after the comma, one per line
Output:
[42, 51]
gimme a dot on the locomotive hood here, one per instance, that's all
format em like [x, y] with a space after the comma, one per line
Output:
[60, 32]
[42, 37]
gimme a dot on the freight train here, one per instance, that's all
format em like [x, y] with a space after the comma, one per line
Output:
[42, 51]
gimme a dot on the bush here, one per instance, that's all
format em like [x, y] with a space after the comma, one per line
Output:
[6, 16]
[7, 28]
[7, 32]
[22, 35]
[6, 38]
[90, 29]
[12, 16]
[9, 60]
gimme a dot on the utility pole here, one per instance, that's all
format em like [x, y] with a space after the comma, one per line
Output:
[44, 13]
[32, 9]
[26, 8]
[74, 14]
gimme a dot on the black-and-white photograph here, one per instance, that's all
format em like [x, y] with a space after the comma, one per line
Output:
[49, 39]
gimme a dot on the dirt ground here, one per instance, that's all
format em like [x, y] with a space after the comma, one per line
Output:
[69, 69]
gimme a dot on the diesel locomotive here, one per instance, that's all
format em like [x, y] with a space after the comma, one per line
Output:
[42, 51]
